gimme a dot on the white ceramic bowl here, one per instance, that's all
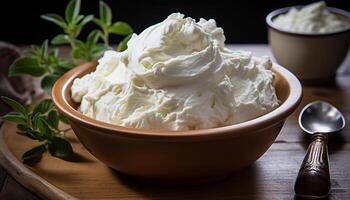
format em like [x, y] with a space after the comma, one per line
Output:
[313, 57]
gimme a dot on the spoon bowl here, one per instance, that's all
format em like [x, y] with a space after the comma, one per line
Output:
[321, 117]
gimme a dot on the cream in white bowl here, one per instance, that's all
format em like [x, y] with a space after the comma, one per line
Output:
[313, 18]
[313, 57]
[177, 75]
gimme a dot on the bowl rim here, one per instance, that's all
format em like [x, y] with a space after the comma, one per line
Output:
[262, 122]
[270, 17]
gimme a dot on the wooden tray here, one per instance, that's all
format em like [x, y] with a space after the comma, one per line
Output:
[87, 178]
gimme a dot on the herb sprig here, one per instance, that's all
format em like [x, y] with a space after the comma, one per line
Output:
[107, 27]
[41, 122]
[41, 61]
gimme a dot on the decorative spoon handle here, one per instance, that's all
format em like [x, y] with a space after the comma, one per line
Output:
[313, 180]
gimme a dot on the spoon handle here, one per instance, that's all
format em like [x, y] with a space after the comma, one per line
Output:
[313, 180]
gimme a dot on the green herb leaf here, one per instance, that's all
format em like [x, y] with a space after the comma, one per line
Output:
[72, 11]
[60, 147]
[105, 13]
[34, 154]
[29, 133]
[92, 38]
[35, 135]
[77, 53]
[22, 127]
[43, 127]
[97, 51]
[15, 117]
[60, 39]
[123, 44]
[44, 48]
[99, 22]
[48, 81]
[26, 65]
[63, 119]
[86, 20]
[15, 105]
[120, 28]
[65, 64]
[43, 107]
[56, 19]
[79, 18]
[52, 119]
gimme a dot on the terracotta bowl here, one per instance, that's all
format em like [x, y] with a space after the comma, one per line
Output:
[178, 157]
[313, 58]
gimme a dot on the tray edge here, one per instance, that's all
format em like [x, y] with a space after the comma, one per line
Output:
[25, 176]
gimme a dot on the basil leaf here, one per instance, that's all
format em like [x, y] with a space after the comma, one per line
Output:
[86, 20]
[44, 129]
[56, 19]
[63, 119]
[34, 119]
[77, 53]
[97, 51]
[65, 64]
[52, 119]
[78, 19]
[34, 154]
[93, 38]
[105, 13]
[72, 11]
[44, 48]
[99, 23]
[60, 147]
[60, 39]
[120, 28]
[43, 107]
[35, 135]
[123, 45]
[15, 117]
[48, 81]
[26, 65]
[22, 127]
[15, 105]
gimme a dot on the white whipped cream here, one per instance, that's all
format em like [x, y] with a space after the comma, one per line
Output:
[177, 75]
[313, 18]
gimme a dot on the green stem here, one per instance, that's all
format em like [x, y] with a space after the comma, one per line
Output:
[72, 42]
[105, 37]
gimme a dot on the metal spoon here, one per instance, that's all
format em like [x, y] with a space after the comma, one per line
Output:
[319, 119]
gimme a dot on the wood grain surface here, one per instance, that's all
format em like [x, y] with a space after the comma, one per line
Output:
[271, 177]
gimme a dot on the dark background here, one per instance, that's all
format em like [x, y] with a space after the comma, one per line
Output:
[243, 21]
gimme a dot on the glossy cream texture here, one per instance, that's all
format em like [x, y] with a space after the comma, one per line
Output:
[313, 18]
[177, 75]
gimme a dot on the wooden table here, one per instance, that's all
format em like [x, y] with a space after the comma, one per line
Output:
[273, 175]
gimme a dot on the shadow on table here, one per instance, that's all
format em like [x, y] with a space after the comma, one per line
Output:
[299, 198]
[241, 185]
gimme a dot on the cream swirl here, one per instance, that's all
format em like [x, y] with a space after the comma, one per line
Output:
[313, 18]
[177, 75]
